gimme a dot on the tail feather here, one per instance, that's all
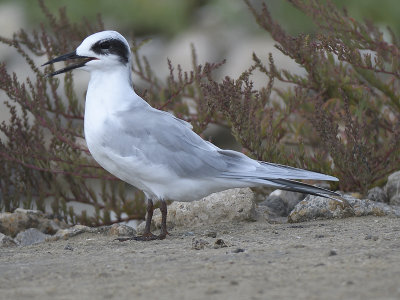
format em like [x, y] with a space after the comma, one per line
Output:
[296, 186]
[244, 169]
[281, 171]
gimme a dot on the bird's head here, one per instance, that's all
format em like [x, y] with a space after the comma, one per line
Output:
[103, 50]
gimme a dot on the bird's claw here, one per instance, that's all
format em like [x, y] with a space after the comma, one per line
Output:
[124, 239]
[149, 237]
[143, 238]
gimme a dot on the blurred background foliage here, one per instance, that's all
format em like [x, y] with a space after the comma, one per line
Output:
[168, 17]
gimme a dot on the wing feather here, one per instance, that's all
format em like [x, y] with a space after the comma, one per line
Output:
[160, 139]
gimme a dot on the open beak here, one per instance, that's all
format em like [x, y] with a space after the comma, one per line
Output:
[68, 56]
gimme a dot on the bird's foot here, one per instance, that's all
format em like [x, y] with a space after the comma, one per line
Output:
[143, 238]
[149, 237]
[124, 239]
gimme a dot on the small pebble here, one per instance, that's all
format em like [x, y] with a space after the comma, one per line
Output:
[332, 252]
[199, 244]
[238, 250]
[210, 233]
[220, 243]
[371, 237]
[296, 226]
[6, 241]
[68, 247]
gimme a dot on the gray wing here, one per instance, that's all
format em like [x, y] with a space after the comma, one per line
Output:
[159, 138]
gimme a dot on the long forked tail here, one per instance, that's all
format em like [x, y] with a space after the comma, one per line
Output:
[242, 168]
[296, 186]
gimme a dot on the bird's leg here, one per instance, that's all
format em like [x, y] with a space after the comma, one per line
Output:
[163, 209]
[147, 235]
[149, 217]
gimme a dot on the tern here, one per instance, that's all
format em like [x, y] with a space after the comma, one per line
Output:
[155, 151]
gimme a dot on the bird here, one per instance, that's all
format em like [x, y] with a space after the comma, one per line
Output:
[155, 151]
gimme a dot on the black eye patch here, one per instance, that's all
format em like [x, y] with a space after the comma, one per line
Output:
[112, 46]
[105, 45]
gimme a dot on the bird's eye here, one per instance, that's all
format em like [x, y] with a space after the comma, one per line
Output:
[105, 45]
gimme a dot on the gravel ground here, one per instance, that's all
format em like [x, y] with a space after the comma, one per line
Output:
[354, 258]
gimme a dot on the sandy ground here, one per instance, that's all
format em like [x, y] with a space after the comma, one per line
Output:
[355, 258]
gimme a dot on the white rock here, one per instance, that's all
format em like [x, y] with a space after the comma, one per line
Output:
[233, 205]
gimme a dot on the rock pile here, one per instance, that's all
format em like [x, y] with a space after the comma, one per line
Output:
[27, 227]
[313, 207]
[299, 207]
[13, 223]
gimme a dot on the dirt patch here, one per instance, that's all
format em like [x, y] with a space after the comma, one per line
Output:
[354, 258]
